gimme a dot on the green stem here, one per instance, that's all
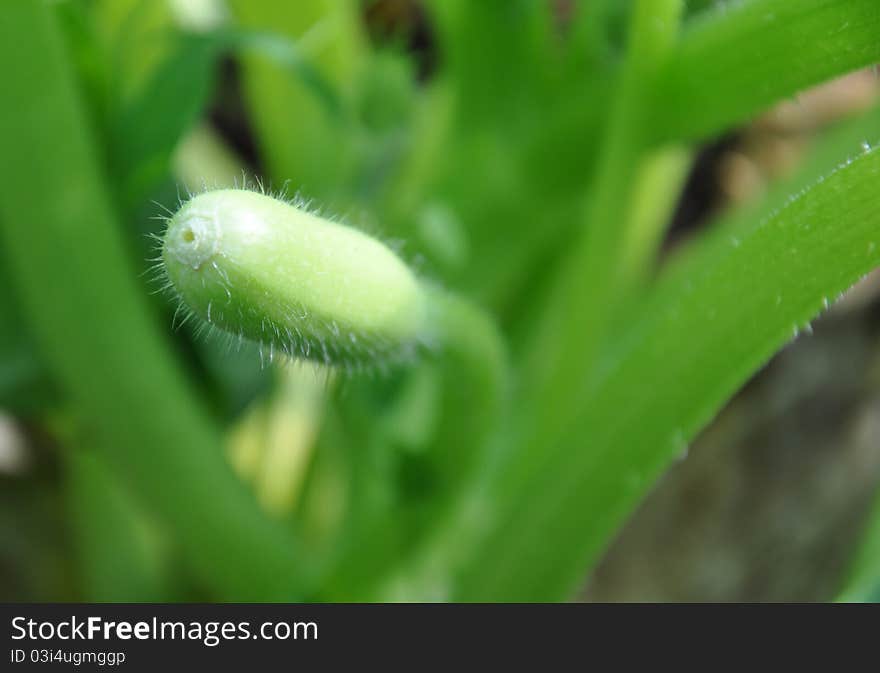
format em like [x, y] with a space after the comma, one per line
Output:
[470, 443]
[475, 380]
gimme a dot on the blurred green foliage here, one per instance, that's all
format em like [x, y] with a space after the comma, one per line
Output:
[527, 155]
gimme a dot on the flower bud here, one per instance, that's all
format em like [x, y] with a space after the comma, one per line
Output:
[268, 270]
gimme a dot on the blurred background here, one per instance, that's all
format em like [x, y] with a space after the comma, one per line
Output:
[351, 104]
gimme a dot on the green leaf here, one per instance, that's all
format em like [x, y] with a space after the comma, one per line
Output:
[298, 137]
[713, 318]
[591, 281]
[122, 555]
[494, 51]
[153, 122]
[25, 387]
[863, 582]
[736, 59]
[94, 328]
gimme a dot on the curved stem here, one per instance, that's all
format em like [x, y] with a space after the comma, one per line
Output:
[476, 380]
[385, 556]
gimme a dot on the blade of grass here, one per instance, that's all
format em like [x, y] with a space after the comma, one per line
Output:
[712, 320]
[92, 323]
[590, 281]
[735, 60]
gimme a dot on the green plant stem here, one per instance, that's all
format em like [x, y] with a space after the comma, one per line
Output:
[475, 383]
[92, 323]
[471, 443]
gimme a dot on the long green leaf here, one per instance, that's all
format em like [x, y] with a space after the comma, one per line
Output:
[24, 382]
[92, 323]
[863, 583]
[736, 59]
[590, 280]
[712, 320]
[169, 104]
[121, 555]
[153, 122]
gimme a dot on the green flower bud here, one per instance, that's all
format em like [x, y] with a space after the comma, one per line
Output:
[268, 270]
